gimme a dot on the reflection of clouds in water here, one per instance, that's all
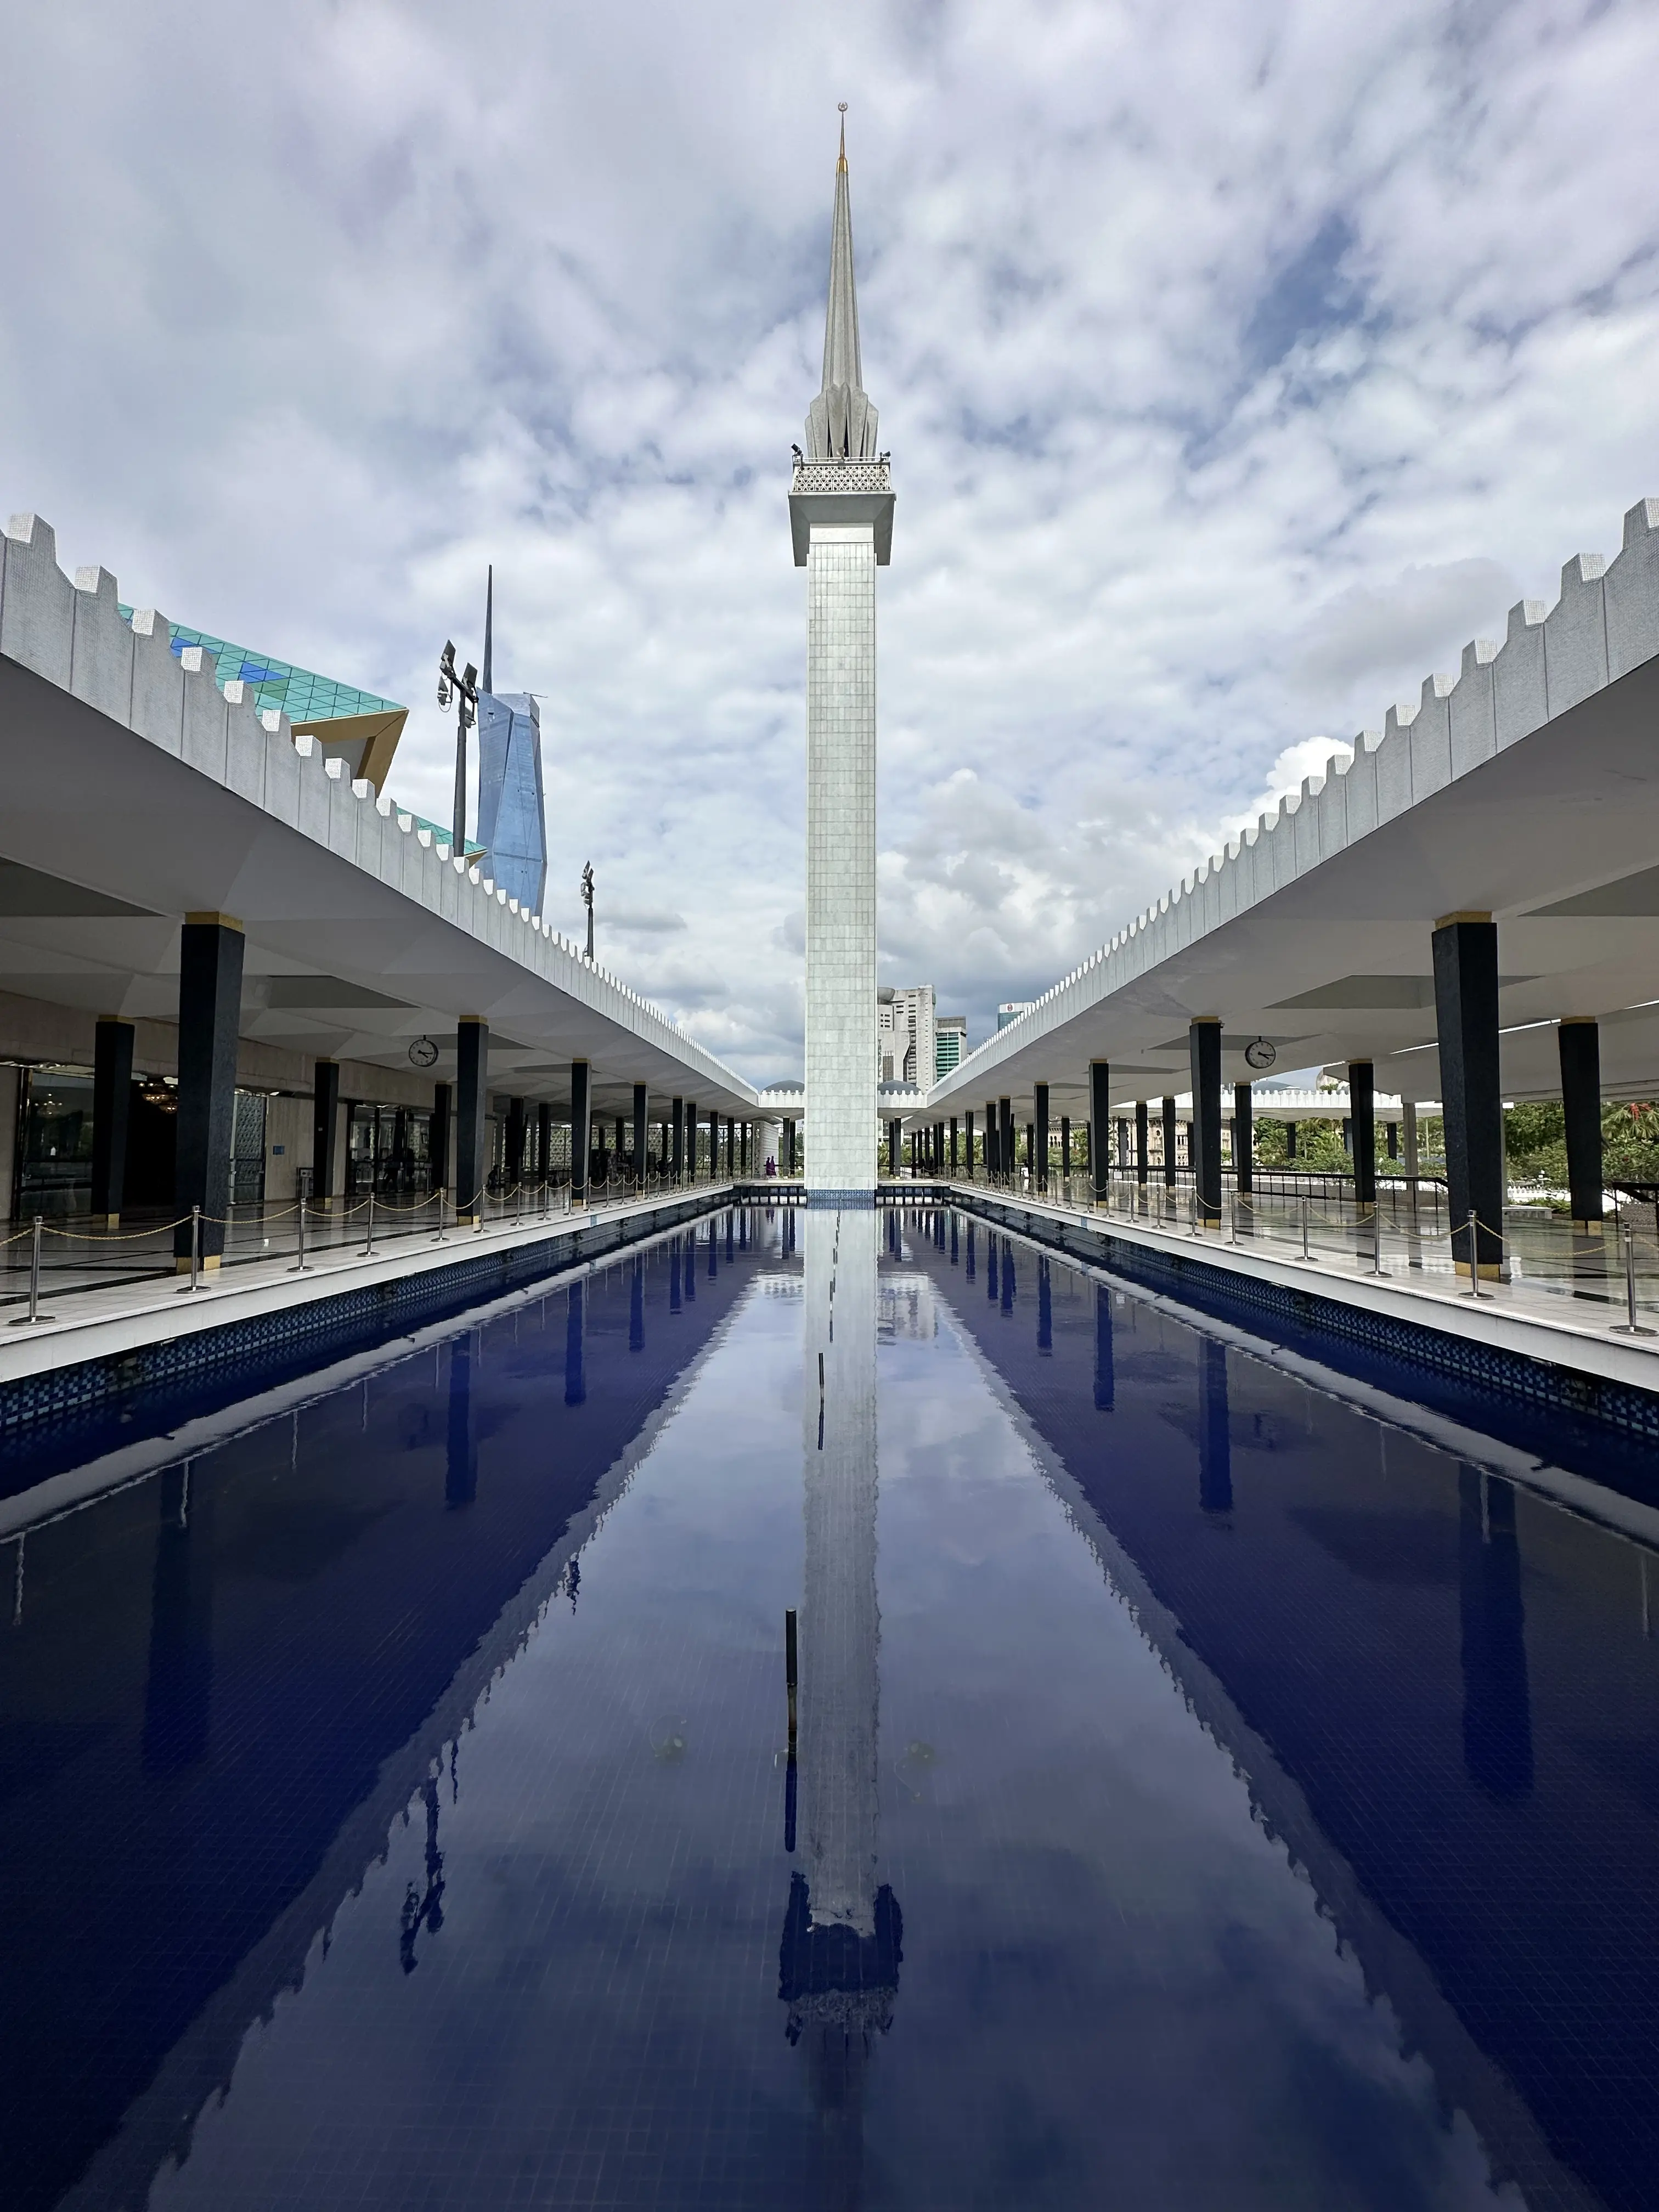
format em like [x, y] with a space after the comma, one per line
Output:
[1131, 1818]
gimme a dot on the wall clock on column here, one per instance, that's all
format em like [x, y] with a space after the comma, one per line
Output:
[423, 1053]
[1259, 1053]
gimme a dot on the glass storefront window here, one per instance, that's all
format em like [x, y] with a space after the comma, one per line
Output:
[54, 1153]
[389, 1150]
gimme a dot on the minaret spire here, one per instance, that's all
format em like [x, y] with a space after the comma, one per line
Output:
[490, 630]
[841, 424]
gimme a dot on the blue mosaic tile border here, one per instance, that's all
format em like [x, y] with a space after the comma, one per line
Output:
[249, 1353]
[1491, 1369]
[842, 1201]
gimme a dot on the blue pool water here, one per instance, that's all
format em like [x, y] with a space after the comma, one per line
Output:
[1215, 1782]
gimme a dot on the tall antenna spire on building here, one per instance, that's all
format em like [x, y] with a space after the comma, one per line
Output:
[841, 424]
[489, 631]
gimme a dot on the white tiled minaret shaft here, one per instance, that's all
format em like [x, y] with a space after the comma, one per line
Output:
[841, 507]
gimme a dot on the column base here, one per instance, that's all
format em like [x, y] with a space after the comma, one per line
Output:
[181, 1262]
[1590, 1228]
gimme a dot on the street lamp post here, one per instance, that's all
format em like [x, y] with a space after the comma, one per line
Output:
[588, 901]
[466, 688]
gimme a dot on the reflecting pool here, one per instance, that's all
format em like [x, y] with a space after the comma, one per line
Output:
[837, 1711]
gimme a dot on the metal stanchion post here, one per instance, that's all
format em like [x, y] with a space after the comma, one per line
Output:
[368, 1242]
[299, 1267]
[1304, 1224]
[442, 1236]
[35, 1313]
[1630, 1326]
[195, 1283]
[1376, 1237]
[1474, 1254]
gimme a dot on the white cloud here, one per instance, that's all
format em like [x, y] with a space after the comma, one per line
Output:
[1237, 365]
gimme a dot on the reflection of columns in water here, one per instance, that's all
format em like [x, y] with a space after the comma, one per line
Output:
[178, 1690]
[1496, 1700]
[838, 1968]
[461, 1451]
[1008, 1276]
[1105, 1369]
[967, 1262]
[575, 1381]
[637, 1308]
[991, 1289]
[1215, 1457]
[1045, 1308]
[426, 1911]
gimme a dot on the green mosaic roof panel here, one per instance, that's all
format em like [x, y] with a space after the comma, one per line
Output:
[299, 693]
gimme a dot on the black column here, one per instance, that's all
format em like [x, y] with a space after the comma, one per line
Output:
[209, 1007]
[438, 1135]
[581, 1136]
[639, 1119]
[953, 1147]
[515, 1134]
[473, 1109]
[992, 1139]
[1040, 1150]
[1466, 1009]
[1290, 1141]
[677, 1139]
[1143, 1143]
[1169, 1126]
[112, 1097]
[1100, 1105]
[1064, 1147]
[1204, 1054]
[968, 1144]
[544, 1141]
[325, 1130]
[1243, 1136]
[1580, 1044]
[1362, 1116]
[1005, 1161]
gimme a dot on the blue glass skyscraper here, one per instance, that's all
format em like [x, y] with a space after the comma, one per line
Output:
[512, 823]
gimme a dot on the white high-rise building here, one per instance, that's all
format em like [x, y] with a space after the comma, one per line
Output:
[905, 1035]
[841, 516]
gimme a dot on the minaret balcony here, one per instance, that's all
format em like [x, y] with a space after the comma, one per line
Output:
[838, 493]
[841, 474]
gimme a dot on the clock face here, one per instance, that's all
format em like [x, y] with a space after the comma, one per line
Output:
[423, 1053]
[1260, 1053]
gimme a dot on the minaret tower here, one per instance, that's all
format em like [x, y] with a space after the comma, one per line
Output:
[841, 518]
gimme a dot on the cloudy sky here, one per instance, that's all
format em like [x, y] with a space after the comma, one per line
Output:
[1239, 362]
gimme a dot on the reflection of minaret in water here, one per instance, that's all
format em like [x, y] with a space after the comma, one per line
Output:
[841, 1952]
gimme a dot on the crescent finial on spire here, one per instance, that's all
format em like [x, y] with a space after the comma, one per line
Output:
[840, 162]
